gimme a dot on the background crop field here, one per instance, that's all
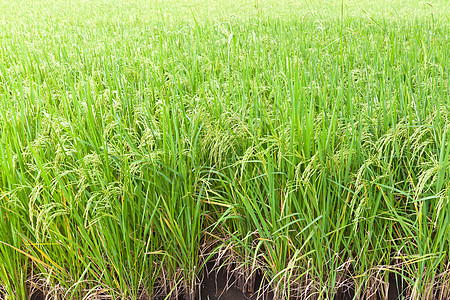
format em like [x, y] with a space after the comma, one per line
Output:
[306, 142]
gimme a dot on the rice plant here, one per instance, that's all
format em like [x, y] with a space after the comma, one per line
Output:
[304, 143]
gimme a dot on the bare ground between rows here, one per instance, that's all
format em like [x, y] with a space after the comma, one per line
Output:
[217, 285]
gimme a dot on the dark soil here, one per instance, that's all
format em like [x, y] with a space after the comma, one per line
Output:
[218, 286]
[37, 295]
[215, 287]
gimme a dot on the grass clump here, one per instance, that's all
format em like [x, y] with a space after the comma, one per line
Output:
[307, 142]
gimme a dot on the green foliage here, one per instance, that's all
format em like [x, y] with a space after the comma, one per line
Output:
[306, 141]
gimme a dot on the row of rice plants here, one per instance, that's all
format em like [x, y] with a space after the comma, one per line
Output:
[140, 141]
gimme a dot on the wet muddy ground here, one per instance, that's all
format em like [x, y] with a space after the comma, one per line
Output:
[217, 286]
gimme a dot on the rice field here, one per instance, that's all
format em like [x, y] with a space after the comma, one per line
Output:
[302, 144]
